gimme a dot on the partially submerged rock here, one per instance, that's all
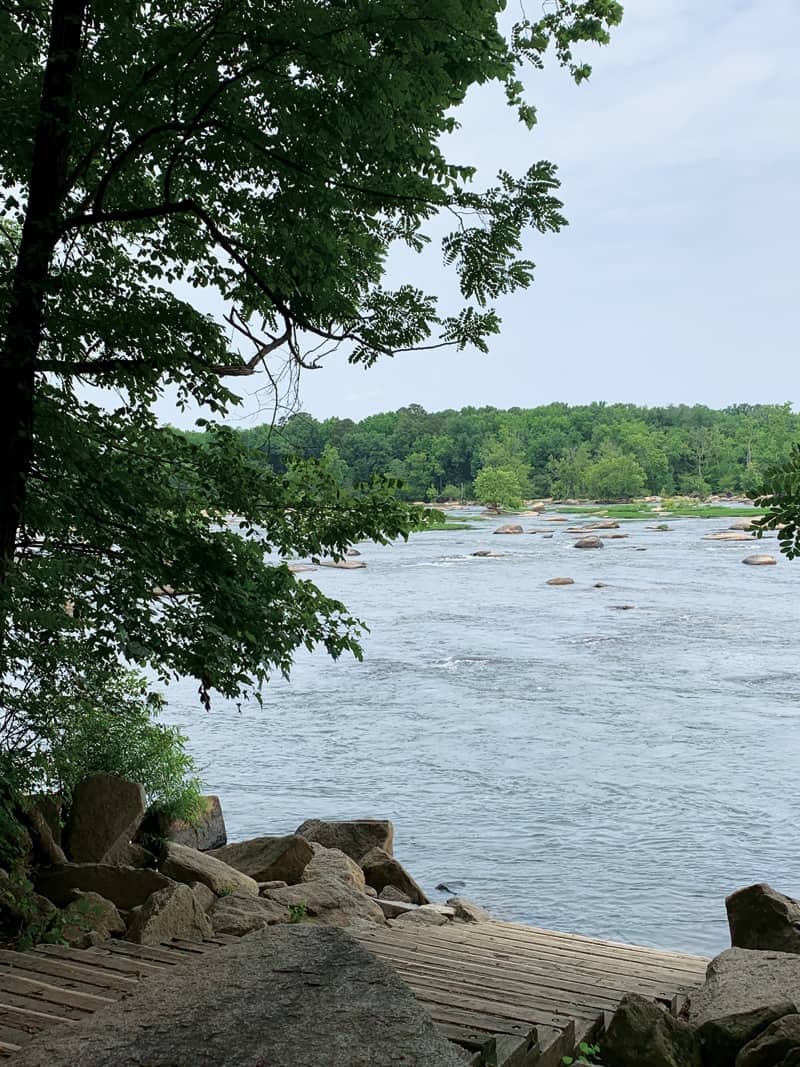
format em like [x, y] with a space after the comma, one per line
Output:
[468, 912]
[380, 869]
[509, 528]
[292, 996]
[343, 564]
[354, 837]
[560, 581]
[183, 864]
[760, 560]
[171, 912]
[106, 813]
[588, 542]
[760, 917]
[268, 858]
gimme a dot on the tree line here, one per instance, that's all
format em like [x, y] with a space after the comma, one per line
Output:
[599, 450]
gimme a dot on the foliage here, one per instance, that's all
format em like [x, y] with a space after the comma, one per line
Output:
[780, 496]
[298, 913]
[26, 919]
[585, 451]
[268, 155]
[498, 487]
[66, 725]
[587, 1054]
[13, 838]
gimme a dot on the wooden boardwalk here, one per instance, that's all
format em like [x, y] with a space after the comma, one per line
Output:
[511, 993]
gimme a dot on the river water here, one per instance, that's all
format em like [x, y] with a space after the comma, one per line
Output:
[560, 761]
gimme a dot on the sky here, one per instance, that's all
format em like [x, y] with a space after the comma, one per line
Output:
[677, 278]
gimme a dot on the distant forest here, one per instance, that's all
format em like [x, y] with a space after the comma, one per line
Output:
[599, 451]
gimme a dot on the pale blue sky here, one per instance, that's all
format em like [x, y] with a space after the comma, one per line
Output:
[677, 280]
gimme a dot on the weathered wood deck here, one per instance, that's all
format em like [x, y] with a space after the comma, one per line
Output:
[514, 994]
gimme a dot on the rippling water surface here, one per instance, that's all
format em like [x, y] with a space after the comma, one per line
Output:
[575, 766]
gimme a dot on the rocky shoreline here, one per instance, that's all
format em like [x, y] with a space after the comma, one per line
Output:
[114, 872]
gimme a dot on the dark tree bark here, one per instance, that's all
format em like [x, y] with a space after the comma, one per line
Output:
[40, 235]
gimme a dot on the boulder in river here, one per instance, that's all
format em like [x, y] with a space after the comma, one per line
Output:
[509, 528]
[355, 837]
[343, 564]
[728, 535]
[588, 542]
[560, 581]
[380, 869]
[760, 560]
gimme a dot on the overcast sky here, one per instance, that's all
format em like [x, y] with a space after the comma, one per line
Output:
[677, 279]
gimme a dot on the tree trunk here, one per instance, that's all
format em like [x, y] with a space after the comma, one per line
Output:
[22, 334]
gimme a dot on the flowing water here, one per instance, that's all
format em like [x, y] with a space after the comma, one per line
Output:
[561, 761]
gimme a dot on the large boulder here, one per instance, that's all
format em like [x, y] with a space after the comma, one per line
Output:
[722, 1037]
[184, 864]
[762, 918]
[760, 559]
[297, 996]
[242, 913]
[332, 863]
[509, 528]
[45, 845]
[424, 916]
[131, 855]
[380, 869]
[329, 903]
[126, 887]
[642, 1033]
[741, 979]
[267, 859]
[88, 920]
[171, 912]
[354, 837]
[106, 812]
[588, 542]
[777, 1046]
[206, 833]
[468, 912]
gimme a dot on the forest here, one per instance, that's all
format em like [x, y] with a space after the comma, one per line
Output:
[599, 451]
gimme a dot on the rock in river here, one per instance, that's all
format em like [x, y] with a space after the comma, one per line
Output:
[560, 581]
[588, 542]
[760, 560]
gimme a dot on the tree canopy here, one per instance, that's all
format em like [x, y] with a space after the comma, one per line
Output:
[157, 159]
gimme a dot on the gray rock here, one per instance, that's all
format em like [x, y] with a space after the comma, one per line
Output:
[380, 869]
[643, 1033]
[354, 837]
[205, 897]
[509, 528]
[588, 542]
[294, 996]
[106, 813]
[370, 892]
[742, 980]
[171, 912]
[126, 887]
[331, 903]
[276, 883]
[332, 863]
[777, 1046]
[392, 908]
[209, 832]
[88, 920]
[46, 849]
[723, 1037]
[266, 859]
[184, 864]
[423, 916]
[466, 911]
[131, 855]
[760, 560]
[241, 913]
[560, 581]
[762, 918]
[391, 892]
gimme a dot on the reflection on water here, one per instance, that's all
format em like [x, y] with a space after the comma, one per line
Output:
[609, 772]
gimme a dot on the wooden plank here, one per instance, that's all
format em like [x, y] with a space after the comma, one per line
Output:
[476, 1020]
[481, 943]
[618, 946]
[522, 1015]
[62, 982]
[544, 973]
[149, 953]
[468, 1037]
[76, 972]
[10, 1035]
[27, 1019]
[33, 986]
[8, 1049]
[106, 962]
[514, 991]
[194, 948]
[591, 947]
[63, 1011]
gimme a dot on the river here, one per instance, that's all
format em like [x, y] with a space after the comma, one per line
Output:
[561, 761]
